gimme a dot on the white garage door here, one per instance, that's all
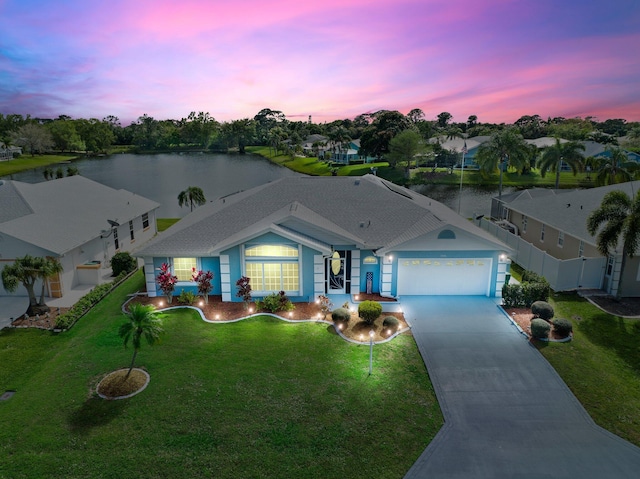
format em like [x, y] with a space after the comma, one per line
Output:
[457, 276]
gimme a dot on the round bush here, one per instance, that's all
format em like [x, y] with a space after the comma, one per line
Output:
[341, 314]
[369, 311]
[562, 326]
[542, 310]
[123, 261]
[540, 328]
[390, 322]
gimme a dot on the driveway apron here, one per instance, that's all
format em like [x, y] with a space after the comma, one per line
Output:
[507, 412]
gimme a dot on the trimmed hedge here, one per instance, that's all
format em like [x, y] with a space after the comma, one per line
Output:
[369, 311]
[563, 327]
[540, 328]
[123, 261]
[528, 292]
[542, 309]
[390, 322]
[341, 314]
[88, 301]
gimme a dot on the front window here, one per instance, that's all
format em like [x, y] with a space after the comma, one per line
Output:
[560, 239]
[272, 268]
[524, 224]
[116, 241]
[183, 268]
[145, 220]
[131, 233]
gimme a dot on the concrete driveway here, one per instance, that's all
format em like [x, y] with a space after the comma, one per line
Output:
[507, 412]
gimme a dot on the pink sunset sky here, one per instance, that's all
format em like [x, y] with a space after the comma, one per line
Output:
[332, 59]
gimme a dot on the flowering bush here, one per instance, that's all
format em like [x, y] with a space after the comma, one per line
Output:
[325, 305]
[167, 281]
[203, 280]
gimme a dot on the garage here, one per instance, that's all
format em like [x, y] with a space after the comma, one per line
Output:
[444, 276]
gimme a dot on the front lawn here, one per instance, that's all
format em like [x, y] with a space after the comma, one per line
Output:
[257, 398]
[601, 365]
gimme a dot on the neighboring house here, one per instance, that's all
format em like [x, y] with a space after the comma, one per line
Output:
[554, 224]
[311, 236]
[597, 150]
[456, 145]
[78, 221]
[9, 152]
[343, 153]
[313, 144]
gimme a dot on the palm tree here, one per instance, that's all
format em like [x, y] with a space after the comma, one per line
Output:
[192, 195]
[505, 148]
[615, 168]
[553, 157]
[28, 270]
[617, 216]
[142, 322]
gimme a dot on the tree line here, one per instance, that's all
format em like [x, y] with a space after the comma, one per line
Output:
[201, 131]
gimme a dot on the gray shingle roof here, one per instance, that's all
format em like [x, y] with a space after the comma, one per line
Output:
[62, 214]
[365, 211]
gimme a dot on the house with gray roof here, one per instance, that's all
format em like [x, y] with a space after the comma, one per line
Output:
[554, 223]
[312, 236]
[75, 220]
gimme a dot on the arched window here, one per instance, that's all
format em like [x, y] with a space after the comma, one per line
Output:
[446, 234]
[370, 260]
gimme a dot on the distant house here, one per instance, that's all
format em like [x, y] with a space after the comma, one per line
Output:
[547, 230]
[9, 152]
[597, 150]
[311, 236]
[457, 145]
[78, 221]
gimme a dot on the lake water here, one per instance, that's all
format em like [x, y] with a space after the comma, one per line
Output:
[162, 177]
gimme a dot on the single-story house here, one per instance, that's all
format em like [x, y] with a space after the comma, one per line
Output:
[555, 223]
[311, 236]
[78, 221]
[9, 152]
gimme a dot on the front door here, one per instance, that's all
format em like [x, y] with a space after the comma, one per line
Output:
[335, 273]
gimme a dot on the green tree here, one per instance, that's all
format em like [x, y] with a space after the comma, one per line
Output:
[444, 118]
[28, 270]
[553, 157]
[191, 196]
[614, 168]
[504, 149]
[142, 323]
[376, 137]
[618, 216]
[403, 148]
[65, 136]
[35, 139]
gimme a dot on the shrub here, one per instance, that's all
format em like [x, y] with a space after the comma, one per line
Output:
[531, 277]
[186, 297]
[341, 314]
[562, 326]
[167, 281]
[533, 292]
[542, 309]
[325, 305]
[369, 311]
[390, 322]
[275, 302]
[512, 296]
[244, 289]
[123, 261]
[540, 328]
[203, 281]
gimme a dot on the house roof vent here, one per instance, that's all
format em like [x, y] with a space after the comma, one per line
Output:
[357, 182]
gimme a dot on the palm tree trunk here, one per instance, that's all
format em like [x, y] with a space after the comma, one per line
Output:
[622, 267]
[558, 174]
[133, 360]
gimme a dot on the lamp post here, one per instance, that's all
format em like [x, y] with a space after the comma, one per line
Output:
[370, 352]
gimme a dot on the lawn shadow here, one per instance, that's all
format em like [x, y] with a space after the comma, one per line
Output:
[616, 334]
[95, 412]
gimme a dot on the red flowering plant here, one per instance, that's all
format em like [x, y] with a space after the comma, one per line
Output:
[167, 281]
[244, 290]
[325, 305]
[203, 280]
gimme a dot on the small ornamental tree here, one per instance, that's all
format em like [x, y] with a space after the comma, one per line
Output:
[167, 281]
[203, 280]
[325, 305]
[244, 289]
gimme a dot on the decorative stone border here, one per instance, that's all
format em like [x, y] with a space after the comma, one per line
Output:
[128, 395]
[224, 321]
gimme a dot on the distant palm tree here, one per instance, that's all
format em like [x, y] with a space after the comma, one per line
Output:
[142, 323]
[505, 148]
[617, 216]
[615, 168]
[553, 157]
[192, 195]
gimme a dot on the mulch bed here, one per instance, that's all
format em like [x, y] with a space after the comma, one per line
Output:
[42, 321]
[523, 316]
[218, 310]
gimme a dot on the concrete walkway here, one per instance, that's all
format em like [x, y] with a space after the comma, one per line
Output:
[507, 412]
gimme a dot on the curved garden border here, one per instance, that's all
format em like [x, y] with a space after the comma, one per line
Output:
[224, 321]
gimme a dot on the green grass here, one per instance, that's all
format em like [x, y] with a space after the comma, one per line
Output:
[258, 398]
[164, 223]
[601, 365]
[27, 162]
